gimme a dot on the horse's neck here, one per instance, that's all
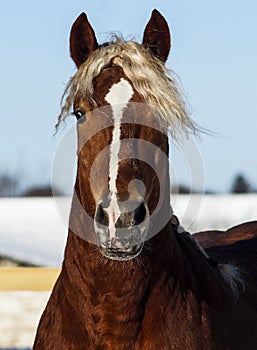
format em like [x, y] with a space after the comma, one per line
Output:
[96, 275]
[105, 293]
[171, 272]
[167, 251]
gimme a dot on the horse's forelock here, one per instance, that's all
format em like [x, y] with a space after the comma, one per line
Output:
[149, 76]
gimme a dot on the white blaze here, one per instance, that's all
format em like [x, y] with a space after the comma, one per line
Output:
[118, 97]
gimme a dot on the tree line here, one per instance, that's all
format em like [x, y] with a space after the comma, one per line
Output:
[10, 187]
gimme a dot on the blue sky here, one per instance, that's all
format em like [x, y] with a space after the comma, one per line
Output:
[214, 52]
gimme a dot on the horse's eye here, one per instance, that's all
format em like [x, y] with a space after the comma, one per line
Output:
[80, 115]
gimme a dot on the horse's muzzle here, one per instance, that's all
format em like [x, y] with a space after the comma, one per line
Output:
[121, 228]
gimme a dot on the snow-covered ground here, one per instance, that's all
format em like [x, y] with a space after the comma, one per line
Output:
[19, 315]
[31, 229]
[35, 229]
[198, 213]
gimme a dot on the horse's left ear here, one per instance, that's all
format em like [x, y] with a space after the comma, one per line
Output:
[82, 40]
[157, 36]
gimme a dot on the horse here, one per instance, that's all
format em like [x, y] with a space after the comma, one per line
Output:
[131, 278]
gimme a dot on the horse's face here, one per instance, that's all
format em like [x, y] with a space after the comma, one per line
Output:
[119, 161]
[120, 147]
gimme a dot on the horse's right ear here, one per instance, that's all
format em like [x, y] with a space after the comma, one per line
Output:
[82, 40]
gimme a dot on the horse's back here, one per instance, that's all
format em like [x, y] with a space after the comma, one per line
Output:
[236, 248]
[213, 238]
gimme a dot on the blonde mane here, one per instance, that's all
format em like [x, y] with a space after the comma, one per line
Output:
[152, 80]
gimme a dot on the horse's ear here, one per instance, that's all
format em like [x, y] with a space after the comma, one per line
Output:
[82, 40]
[157, 36]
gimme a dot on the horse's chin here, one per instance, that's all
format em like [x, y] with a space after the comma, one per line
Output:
[122, 254]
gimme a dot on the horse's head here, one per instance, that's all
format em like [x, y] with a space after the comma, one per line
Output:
[123, 99]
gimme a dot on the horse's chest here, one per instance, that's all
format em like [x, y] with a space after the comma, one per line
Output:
[151, 331]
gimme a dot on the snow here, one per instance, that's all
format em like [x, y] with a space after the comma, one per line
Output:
[31, 229]
[208, 212]
[35, 229]
[19, 316]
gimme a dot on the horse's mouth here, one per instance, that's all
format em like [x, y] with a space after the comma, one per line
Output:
[121, 254]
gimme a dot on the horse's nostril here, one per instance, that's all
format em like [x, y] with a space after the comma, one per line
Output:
[128, 216]
[140, 213]
[101, 216]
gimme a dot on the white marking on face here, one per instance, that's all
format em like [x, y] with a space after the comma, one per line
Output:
[118, 97]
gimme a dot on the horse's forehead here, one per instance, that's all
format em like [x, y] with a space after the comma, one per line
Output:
[120, 93]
